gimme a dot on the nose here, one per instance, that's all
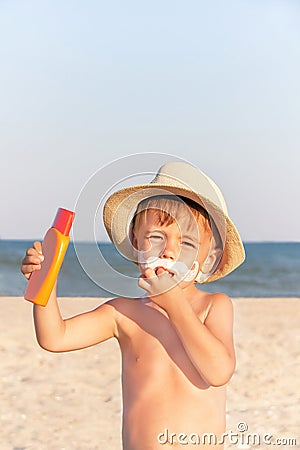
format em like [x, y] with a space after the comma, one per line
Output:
[170, 251]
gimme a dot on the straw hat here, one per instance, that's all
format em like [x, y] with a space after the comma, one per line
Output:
[181, 179]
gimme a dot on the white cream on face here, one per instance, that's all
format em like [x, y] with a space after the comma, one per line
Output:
[162, 246]
[178, 268]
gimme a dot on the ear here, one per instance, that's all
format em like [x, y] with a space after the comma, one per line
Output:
[133, 242]
[193, 272]
[132, 238]
[210, 261]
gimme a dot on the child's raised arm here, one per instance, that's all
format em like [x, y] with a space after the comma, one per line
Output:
[60, 335]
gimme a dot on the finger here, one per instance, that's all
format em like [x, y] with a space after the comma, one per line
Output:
[149, 273]
[35, 253]
[143, 284]
[161, 271]
[32, 259]
[29, 268]
[31, 251]
[38, 246]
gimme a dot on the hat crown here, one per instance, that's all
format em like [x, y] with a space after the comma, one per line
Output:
[183, 175]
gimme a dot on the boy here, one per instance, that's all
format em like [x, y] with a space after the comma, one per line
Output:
[176, 341]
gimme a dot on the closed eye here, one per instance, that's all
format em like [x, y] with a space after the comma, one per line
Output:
[155, 237]
[188, 244]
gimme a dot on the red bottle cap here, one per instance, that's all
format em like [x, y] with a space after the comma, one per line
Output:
[63, 221]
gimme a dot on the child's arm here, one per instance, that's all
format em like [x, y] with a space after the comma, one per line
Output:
[209, 345]
[58, 335]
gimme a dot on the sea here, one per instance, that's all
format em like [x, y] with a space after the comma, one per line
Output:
[271, 269]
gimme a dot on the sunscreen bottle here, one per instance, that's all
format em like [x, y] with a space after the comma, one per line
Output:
[54, 247]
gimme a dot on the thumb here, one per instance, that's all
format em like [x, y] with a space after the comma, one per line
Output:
[143, 283]
[38, 247]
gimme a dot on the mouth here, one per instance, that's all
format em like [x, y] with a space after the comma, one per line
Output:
[171, 274]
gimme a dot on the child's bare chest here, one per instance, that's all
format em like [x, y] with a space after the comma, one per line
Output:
[149, 331]
[152, 349]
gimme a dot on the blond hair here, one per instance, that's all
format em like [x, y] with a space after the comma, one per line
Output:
[171, 208]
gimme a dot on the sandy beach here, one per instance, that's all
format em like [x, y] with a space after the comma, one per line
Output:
[72, 401]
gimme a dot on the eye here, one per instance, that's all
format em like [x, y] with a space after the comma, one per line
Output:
[188, 244]
[155, 237]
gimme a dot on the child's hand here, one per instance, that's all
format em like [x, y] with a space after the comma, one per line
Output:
[32, 261]
[161, 287]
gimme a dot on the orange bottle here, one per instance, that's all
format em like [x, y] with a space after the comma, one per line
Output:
[54, 247]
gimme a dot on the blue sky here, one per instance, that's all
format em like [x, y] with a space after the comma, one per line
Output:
[215, 83]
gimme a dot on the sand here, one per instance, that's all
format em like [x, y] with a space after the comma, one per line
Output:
[73, 401]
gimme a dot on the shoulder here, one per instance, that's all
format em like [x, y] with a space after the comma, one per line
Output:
[220, 298]
[122, 302]
[123, 306]
[218, 304]
[129, 314]
[111, 308]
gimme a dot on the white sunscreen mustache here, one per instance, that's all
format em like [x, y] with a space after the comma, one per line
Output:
[179, 269]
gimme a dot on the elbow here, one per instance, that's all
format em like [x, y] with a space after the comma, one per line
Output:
[222, 377]
[48, 346]
[51, 342]
[51, 349]
[220, 380]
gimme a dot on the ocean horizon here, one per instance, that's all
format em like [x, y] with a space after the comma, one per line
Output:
[271, 269]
